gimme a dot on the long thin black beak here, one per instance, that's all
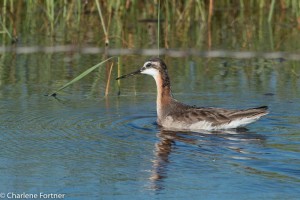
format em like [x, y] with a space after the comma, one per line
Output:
[130, 74]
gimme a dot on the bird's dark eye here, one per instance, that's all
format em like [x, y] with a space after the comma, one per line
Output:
[148, 65]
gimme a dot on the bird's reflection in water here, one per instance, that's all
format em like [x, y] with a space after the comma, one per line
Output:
[168, 139]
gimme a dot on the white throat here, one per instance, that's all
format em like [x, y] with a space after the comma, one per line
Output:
[151, 71]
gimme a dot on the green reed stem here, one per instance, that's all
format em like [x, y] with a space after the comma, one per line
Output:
[11, 6]
[50, 12]
[201, 7]
[271, 11]
[102, 22]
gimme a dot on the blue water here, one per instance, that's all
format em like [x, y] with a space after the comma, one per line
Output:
[90, 147]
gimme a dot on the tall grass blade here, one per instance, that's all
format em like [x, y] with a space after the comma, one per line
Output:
[79, 77]
[271, 11]
[102, 22]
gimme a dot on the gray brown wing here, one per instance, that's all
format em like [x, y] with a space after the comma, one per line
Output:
[193, 115]
[217, 116]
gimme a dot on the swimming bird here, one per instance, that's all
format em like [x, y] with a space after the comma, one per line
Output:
[174, 115]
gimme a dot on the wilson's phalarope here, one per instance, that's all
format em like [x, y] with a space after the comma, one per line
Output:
[174, 115]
